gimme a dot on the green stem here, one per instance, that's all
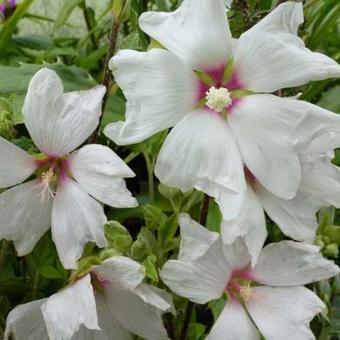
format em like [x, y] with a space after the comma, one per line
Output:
[150, 165]
[89, 24]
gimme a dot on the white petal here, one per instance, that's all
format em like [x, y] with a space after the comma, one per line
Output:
[237, 254]
[108, 325]
[200, 152]
[289, 263]
[233, 323]
[121, 271]
[100, 172]
[250, 224]
[202, 279]
[159, 90]
[73, 306]
[284, 313]
[135, 315]
[195, 239]
[15, 164]
[295, 217]
[197, 32]
[76, 219]
[59, 122]
[25, 322]
[270, 56]
[25, 217]
[265, 133]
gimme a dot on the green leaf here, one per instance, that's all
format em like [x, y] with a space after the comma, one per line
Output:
[153, 216]
[65, 12]
[330, 99]
[167, 232]
[118, 236]
[10, 26]
[114, 111]
[145, 245]
[151, 268]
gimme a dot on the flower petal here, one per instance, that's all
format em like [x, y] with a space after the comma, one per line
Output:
[99, 172]
[200, 152]
[237, 254]
[250, 224]
[25, 217]
[73, 306]
[271, 56]
[233, 323]
[134, 314]
[284, 313]
[59, 122]
[121, 271]
[289, 263]
[76, 219]
[26, 319]
[195, 239]
[15, 164]
[202, 279]
[159, 90]
[295, 217]
[182, 33]
[264, 130]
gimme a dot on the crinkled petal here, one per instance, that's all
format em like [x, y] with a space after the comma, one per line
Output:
[76, 219]
[159, 90]
[195, 239]
[233, 323]
[264, 130]
[100, 172]
[289, 263]
[199, 280]
[65, 311]
[15, 164]
[250, 224]
[201, 152]
[271, 56]
[59, 122]
[202, 47]
[25, 216]
[25, 322]
[284, 313]
[134, 314]
[121, 271]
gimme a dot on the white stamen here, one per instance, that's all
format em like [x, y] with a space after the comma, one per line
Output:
[218, 99]
[46, 180]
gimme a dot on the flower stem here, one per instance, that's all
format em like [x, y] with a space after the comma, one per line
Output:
[190, 306]
[3, 253]
[150, 165]
[107, 73]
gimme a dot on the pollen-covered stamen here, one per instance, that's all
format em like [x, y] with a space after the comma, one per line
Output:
[218, 99]
[245, 292]
[46, 181]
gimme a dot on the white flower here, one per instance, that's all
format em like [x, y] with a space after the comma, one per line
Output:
[207, 149]
[58, 123]
[319, 187]
[109, 303]
[271, 292]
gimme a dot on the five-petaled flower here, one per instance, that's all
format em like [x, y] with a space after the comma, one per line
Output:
[58, 123]
[215, 93]
[110, 302]
[269, 294]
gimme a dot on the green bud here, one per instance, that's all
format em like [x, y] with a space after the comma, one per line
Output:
[318, 242]
[6, 123]
[331, 250]
[118, 236]
[325, 239]
[121, 10]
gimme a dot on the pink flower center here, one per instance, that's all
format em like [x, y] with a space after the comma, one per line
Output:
[99, 282]
[239, 286]
[52, 172]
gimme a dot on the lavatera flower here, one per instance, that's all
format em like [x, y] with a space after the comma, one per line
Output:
[60, 195]
[110, 302]
[268, 298]
[215, 93]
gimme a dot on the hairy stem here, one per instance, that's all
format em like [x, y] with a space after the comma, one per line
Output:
[190, 306]
[107, 74]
